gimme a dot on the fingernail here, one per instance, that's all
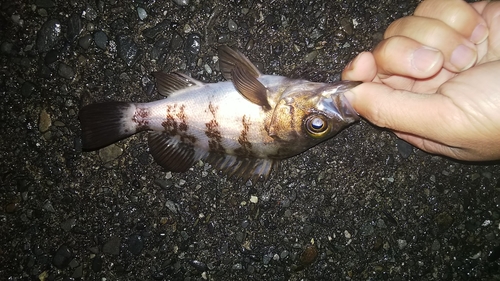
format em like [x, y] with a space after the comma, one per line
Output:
[463, 57]
[479, 34]
[425, 58]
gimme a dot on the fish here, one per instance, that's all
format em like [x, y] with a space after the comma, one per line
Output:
[242, 126]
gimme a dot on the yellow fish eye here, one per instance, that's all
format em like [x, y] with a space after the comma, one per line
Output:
[316, 125]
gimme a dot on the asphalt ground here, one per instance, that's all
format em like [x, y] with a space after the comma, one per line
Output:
[361, 206]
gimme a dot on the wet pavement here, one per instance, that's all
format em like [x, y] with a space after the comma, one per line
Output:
[361, 206]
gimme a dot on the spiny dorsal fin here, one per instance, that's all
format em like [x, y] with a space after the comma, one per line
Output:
[236, 67]
[169, 83]
[170, 153]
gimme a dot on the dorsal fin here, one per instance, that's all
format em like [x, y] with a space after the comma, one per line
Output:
[238, 68]
[169, 83]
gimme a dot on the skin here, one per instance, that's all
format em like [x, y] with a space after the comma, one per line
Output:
[435, 79]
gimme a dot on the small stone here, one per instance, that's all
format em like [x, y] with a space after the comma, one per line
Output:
[309, 255]
[85, 41]
[443, 221]
[181, 2]
[68, 224]
[48, 36]
[74, 27]
[237, 266]
[96, 264]
[405, 149]
[135, 244]
[45, 3]
[101, 39]
[232, 25]
[311, 56]
[110, 153]
[402, 243]
[141, 13]
[254, 199]
[193, 43]
[171, 206]
[65, 71]
[128, 50]
[62, 257]
[45, 121]
[112, 246]
[27, 89]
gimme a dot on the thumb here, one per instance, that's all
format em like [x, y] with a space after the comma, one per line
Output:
[402, 111]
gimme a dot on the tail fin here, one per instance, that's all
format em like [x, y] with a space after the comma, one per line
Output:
[105, 123]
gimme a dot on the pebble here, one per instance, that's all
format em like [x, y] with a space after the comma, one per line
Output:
[171, 206]
[65, 71]
[232, 25]
[141, 13]
[181, 2]
[51, 57]
[90, 13]
[198, 265]
[62, 257]
[127, 50]
[48, 36]
[45, 3]
[112, 246]
[405, 149]
[311, 56]
[153, 32]
[101, 39]
[45, 121]
[68, 224]
[96, 264]
[74, 27]
[135, 244]
[193, 43]
[27, 89]
[85, 41]
[309, 255]
[176, 42]
[110, 153]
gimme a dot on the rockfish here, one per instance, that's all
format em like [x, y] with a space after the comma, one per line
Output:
[242, 126]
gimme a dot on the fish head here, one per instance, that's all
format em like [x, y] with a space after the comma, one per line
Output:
[308, 113]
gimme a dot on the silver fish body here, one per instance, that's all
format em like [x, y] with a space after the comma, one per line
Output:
[242, 126]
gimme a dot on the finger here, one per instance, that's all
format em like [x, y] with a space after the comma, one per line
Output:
[459, 53]
[404, 56]
[402, 111]
[362, 68]
[491, 14]
[457, 14]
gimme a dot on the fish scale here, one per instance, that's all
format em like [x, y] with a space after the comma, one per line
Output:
[243, 127]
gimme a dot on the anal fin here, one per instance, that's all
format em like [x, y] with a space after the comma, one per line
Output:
[241, 167]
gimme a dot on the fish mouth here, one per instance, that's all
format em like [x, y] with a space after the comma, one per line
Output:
[335, 103]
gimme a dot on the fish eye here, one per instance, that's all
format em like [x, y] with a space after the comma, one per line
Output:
[316, 125]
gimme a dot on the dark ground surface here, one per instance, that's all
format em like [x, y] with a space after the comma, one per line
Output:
[362, 206]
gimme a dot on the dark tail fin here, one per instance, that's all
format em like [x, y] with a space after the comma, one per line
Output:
[105, 123]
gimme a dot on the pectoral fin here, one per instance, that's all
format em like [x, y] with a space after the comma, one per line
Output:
[236, 67]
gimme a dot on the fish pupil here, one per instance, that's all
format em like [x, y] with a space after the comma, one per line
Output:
[317, 123]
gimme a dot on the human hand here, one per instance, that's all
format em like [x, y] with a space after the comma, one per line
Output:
[435, 79]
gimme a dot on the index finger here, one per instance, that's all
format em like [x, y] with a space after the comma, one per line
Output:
[457, 14]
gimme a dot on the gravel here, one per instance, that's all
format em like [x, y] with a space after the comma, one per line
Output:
[362, 206]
